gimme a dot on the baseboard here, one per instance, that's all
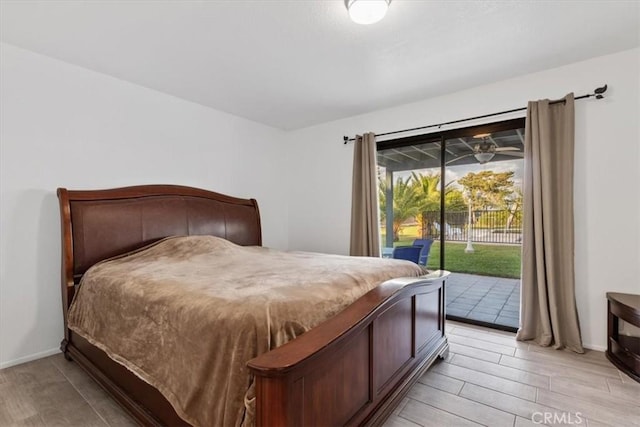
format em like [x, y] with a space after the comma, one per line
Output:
[29, 358]
[595, 347]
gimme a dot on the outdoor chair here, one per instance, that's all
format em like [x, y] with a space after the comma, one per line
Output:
[410, 253]
[425, 245]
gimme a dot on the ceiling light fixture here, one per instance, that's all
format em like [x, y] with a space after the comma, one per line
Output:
[483, 158]
[367, 11]
[482, 135]
[484, 151]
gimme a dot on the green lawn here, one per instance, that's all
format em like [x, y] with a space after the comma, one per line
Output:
[487, 260]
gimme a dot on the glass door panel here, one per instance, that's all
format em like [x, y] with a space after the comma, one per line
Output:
[409, 192]
[482, 223]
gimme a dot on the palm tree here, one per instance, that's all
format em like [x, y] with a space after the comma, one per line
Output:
[405, 203]
[427, 189]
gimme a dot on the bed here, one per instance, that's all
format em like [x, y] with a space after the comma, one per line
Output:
[351, 369]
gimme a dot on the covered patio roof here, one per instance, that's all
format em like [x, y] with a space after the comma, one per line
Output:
[427, 155]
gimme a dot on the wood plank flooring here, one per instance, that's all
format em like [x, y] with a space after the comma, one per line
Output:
[55, 392]
[491, 379]
[488, 379]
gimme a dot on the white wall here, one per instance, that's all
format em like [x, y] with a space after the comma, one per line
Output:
[65, 126]
[607, 172]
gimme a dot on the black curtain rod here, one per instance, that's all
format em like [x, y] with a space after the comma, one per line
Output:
[598, 93]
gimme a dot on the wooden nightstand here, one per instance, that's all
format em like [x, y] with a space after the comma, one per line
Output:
[623, 350]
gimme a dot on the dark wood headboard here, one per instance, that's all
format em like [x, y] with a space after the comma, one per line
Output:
[99, 224]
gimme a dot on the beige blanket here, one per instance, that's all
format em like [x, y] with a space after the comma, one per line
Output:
[187, 313]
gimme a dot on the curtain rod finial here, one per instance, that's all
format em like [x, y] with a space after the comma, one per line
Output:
[345, 139]
[599, 91]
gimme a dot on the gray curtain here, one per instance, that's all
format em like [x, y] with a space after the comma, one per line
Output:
[365, 235]
[548, 313]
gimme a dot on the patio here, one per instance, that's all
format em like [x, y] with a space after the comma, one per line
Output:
[484, 299]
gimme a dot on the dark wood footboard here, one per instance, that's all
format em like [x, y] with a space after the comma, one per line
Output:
[354, 368]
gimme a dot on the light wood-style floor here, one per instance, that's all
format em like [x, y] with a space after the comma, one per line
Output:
[488, 379]
[491, 379]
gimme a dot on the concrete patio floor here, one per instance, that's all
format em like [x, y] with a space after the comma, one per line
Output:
[485, 299]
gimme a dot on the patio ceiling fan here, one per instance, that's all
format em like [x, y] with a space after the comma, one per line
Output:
[485, 150]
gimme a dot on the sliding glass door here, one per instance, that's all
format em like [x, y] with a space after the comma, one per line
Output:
[462, 191]
[483, 214]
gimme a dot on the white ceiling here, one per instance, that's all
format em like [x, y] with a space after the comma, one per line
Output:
[291, 64]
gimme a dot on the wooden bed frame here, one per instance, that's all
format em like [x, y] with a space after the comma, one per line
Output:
[351, 370]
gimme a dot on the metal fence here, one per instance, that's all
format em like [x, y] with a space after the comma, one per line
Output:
[487, 226]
